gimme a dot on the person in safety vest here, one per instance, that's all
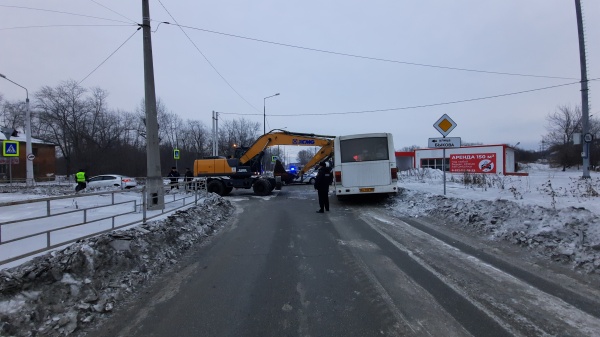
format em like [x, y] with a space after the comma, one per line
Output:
[81, 179]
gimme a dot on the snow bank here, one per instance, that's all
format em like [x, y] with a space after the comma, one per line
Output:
[552, 213]
[62, 291]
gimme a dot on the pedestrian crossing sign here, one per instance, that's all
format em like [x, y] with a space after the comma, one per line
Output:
[10, 148]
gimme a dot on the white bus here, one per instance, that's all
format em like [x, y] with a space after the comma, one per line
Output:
[365, 164]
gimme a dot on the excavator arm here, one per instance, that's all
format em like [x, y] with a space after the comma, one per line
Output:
[282, 137]
[324, 153]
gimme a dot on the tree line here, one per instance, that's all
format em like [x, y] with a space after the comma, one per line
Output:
[89, 135]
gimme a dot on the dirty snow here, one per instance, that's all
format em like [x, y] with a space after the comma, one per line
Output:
[550, 213]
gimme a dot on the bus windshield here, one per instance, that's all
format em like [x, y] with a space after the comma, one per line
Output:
[364, 149]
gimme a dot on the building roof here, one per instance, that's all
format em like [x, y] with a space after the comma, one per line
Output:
[21, 138]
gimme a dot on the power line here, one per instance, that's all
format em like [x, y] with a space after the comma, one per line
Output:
[58, 26]
[119, 14]
[416, 106]
[206, 58]
[61, 12]
[109, 56]
[376, 58]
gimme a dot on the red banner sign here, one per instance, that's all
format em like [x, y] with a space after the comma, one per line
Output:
[9, 160]
[473, 163]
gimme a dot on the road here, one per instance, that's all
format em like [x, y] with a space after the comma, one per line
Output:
[280, 269]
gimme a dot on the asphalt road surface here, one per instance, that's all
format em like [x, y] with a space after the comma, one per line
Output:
[281, 269]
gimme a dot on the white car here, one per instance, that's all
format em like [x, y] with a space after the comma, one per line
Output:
[307, 178]
[111, 180]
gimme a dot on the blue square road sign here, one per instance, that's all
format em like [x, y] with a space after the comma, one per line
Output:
[10, 148]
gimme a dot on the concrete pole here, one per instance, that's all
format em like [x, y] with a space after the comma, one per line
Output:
[585, 113]
[154, 181]
[28, 150]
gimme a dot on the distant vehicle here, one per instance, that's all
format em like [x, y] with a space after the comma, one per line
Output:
[365, 164]
[307, 178]
[244, 170]
[111, 180]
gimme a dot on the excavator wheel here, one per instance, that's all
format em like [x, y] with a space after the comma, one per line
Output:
[227, 190]
[216, 186]
[262, 187]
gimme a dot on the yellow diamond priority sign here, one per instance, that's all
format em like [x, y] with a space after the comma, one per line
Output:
[444, 125]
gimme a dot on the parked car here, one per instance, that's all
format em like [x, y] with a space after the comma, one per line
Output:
[307, 178]
[111, 180]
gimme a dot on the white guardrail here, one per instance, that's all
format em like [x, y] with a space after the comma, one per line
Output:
[30, 227]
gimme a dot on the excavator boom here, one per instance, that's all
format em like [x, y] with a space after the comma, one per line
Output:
[282, 137]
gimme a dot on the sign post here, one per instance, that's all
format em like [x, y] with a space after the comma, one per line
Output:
[445, 125]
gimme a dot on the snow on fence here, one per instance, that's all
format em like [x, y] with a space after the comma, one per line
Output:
[34, 226]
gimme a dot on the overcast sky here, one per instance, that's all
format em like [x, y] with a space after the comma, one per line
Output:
[300, 57]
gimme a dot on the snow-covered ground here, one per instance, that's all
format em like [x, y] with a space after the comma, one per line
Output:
[550, 213]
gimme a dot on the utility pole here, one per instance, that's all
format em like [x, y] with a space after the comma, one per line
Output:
[154, 181]
[585, 120]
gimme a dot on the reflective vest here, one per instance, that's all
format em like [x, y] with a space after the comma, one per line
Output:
[80, 176]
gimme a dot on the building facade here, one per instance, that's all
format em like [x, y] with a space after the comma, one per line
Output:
[44, 163]
[492, 159]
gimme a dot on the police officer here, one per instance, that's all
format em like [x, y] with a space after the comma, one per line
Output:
[322, 182]
[81, 180]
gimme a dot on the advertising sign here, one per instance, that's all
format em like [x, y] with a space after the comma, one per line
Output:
[473, 163]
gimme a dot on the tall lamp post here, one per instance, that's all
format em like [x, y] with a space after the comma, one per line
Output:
[28, 151]
[265, 112]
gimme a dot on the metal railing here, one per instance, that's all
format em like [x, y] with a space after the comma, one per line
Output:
[79, 216]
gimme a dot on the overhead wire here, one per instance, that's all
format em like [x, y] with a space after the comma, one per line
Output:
[62, 12]
[109, 56]
[119, 14]
[57, 26]
[205, 57]
[414, 106]
[375, 58]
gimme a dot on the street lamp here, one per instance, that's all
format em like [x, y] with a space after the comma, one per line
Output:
[28, 151]
[265, 113]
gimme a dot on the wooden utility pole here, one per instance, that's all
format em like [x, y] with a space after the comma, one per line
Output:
[154, 182]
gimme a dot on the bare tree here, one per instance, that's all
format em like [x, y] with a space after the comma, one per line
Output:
[240, 132]
[410, 148]
[62, 117]
[12, 114]
[305, 155]
[562, 124]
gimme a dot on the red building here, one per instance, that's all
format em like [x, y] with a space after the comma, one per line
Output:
[44, 163]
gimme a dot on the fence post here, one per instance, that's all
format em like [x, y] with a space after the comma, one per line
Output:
[85, 215]
[47, 207]
[112, 194]
[144, 204]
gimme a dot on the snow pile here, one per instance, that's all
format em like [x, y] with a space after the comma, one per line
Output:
[552, 213]
[57, 293]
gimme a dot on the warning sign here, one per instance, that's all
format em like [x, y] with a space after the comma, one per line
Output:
[473, 163]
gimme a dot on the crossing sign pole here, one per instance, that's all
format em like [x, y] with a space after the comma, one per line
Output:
[444, 125]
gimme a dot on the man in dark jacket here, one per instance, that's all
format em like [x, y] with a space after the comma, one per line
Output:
[322, 182]
[189, 176]
[174, 175]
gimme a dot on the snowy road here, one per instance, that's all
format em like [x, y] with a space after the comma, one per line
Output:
[359, 270]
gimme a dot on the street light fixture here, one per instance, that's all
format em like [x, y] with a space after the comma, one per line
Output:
[28, 151]
[265, 112]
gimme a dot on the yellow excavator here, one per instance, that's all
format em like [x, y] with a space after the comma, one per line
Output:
[244, 171]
